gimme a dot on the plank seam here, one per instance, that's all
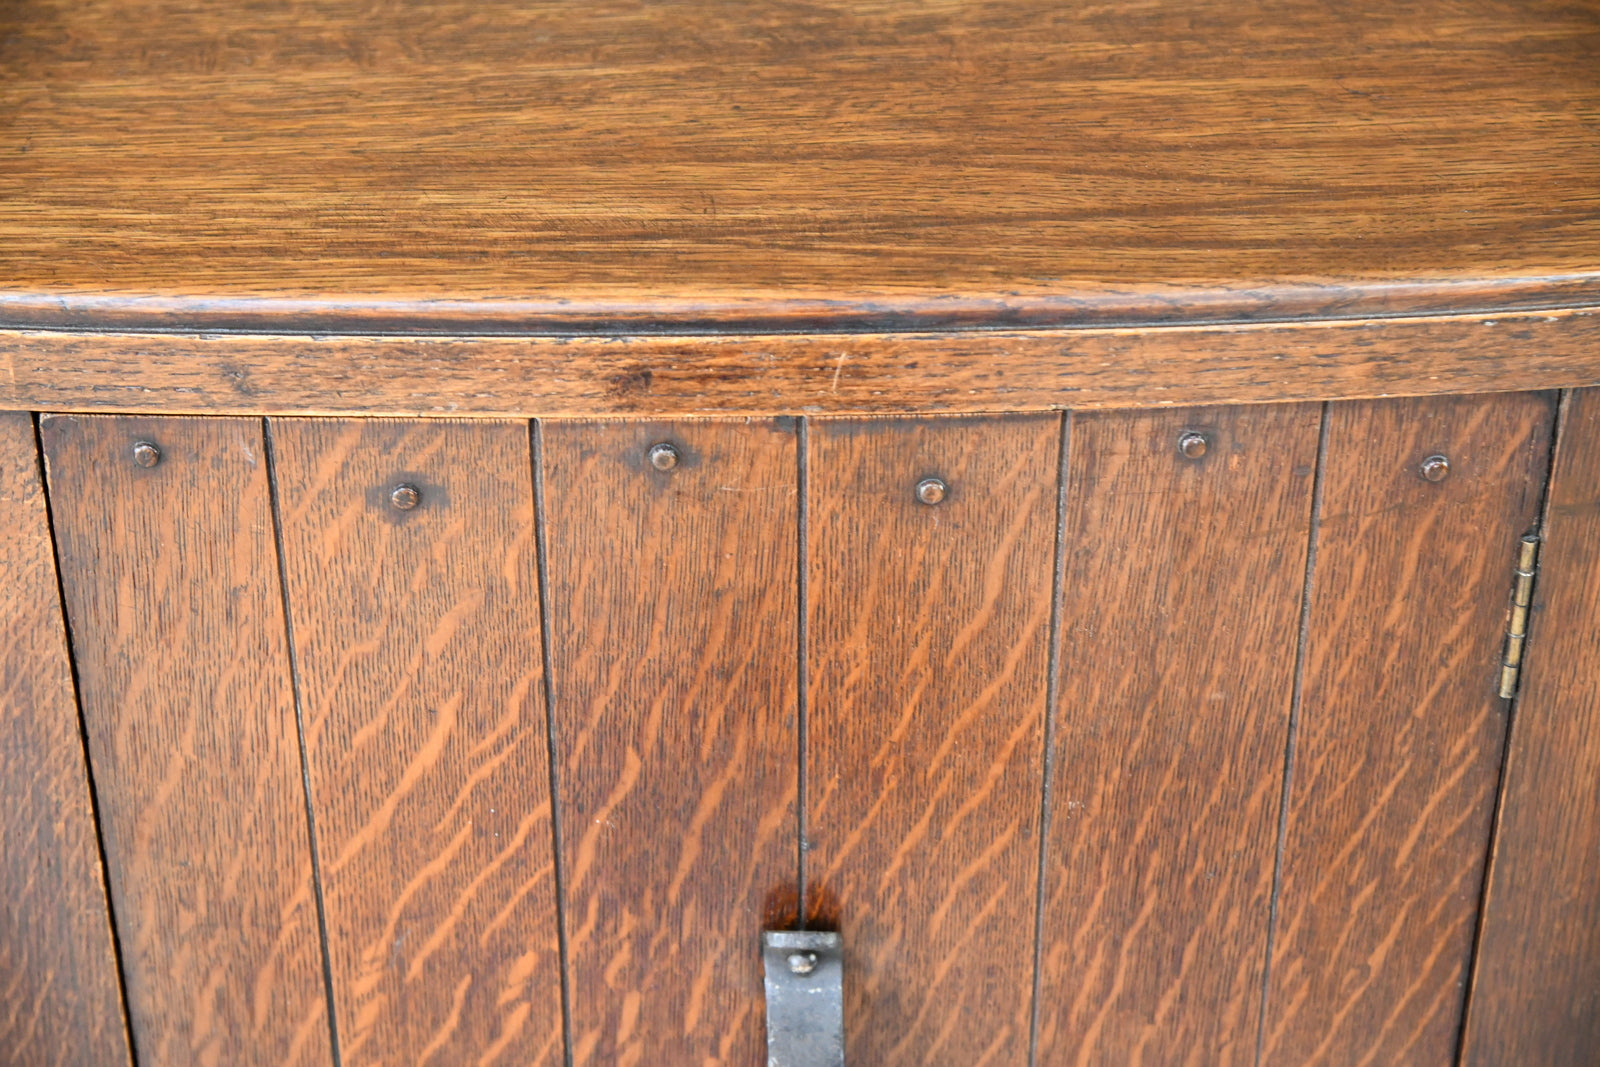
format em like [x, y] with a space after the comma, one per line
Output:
[83, 740]
[300, 731]
[541, 539]
[1052, 701]
[1505, 750]
[1301, 646]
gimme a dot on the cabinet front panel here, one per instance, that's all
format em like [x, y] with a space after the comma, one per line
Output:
[931, 547]
[59, 1001]
[1400, 729]
[412, 573]
[1536, 993]
[1161, 736]
[171, 578]
[672, 619]
[1181, 592]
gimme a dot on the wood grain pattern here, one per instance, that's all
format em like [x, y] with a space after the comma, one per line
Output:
[928, 642]
[59, 1000]
[1400, 737]
[176, 613]
[1181, 592]
[660, 376]
[910, 164]
[417, 643]
[1536, 985]
[672, 620]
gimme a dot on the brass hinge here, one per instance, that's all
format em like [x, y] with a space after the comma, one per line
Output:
[1521, 601]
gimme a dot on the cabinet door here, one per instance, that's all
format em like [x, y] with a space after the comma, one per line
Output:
[1536, 990]
[931, 547]
[673, 629]
[1165, 736]
[1396, 753]
[58, 972]
[171, 577]
[411, 568]
[1184, 558]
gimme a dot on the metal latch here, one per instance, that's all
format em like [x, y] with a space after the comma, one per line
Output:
[805, 998]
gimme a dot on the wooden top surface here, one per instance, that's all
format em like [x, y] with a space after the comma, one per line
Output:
[503, 166]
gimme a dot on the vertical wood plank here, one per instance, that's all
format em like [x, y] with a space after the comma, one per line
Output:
[418, 652]
[928, 643]
[59, 1001]
[672, 622]
[1181, 593]
[176, 611]
[1536, 988]
[1401, 728]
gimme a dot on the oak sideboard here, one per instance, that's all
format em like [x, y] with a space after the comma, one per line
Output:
[1098, 505]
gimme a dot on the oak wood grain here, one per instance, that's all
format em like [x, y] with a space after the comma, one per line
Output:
[1400, 734]
[660, 376]
[1181, 592]
[59, 998]
[176, 614]
[928, 645]
[672, 618]
[417, 643]
[1536, 984]
[585, 166]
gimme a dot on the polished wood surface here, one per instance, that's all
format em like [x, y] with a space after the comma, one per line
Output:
[1536, 990]
[417, 637]
[672, 621]
[1398, 741]
[612, 166]
[815, 374]
[1181, 591]
[59, 998]
[927, 649]
[176, 614]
